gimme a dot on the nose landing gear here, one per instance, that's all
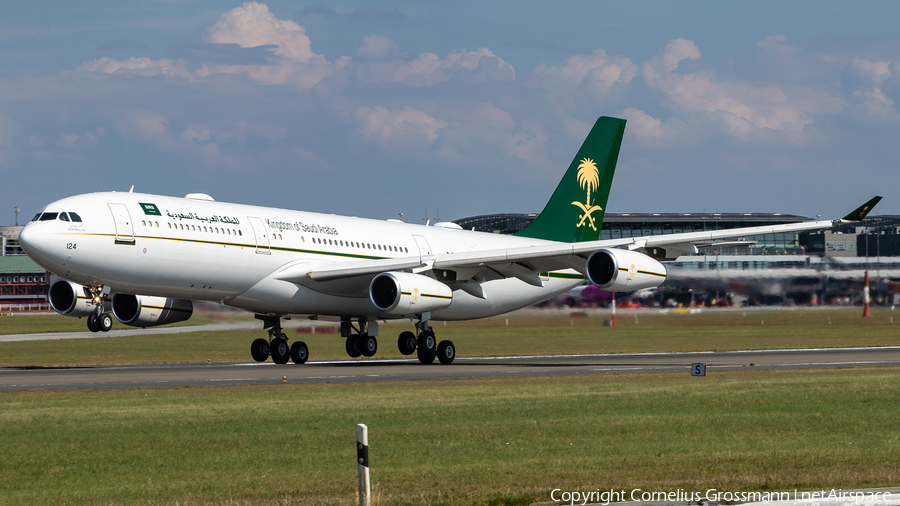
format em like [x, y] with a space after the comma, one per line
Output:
[99, 321]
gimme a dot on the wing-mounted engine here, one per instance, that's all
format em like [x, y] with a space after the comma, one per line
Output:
[146, 311]
[71, 299]
[619, 270]
[404, 293]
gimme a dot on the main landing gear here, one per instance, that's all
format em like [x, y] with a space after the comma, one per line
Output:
[361, 340]
[277, 344]
[427, 346]
[423, 343]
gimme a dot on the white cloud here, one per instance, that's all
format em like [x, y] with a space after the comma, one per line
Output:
[599, 70]
[199, 133]
[252, 25]
[139, 66]
[776, 43]
[402, 126]
[874, 71]
[648, 131]
[429, 69]
[741, 106]
[71, 140]
[145, 125]
[376, 46]
[874, 102]
[294, 62]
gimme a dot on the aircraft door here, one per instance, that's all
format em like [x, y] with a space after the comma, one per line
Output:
[424, 247]
[122, 219]
[262, 236]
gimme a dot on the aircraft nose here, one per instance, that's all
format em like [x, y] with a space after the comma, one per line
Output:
[31, 241]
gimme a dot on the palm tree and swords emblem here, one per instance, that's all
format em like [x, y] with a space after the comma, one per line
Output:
[588, 179]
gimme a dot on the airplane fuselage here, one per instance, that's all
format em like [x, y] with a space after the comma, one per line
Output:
[199, 249]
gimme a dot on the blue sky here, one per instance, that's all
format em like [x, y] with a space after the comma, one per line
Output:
[380, 108]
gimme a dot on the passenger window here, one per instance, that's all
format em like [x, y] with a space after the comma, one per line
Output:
[64, 216]
[240, 233]
[48, 216]
[144, 223]
[75, 217]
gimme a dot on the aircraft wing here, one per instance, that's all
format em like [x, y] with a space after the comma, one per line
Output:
[339, 270]
[526, 263]
[574, 255]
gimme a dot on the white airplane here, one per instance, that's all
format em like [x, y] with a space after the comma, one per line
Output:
[145, 257]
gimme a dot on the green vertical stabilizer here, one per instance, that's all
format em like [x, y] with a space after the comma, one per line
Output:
[575, 211]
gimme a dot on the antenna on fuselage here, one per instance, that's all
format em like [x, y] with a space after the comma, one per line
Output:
[131, 190]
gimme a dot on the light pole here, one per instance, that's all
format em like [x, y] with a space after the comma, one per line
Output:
[17, 216]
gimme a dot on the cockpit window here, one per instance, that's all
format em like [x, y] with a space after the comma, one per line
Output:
[36, 217]
[64, 216]
[75, 217]
[48, 216]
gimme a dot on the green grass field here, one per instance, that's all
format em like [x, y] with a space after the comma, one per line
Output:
[517, 334]
[469, 442]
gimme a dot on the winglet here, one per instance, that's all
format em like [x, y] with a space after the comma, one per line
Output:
[862, 211]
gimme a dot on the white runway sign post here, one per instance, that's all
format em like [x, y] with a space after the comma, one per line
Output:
[362, 461]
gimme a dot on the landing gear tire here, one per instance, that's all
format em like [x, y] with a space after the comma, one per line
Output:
[103, 322]
[354, 347]
[407, 343]
[299, 352]
[446, 352]
[427, 341]
[425, 356]
[368, 345]
[92, 323]
[259, 350]
[280, 350]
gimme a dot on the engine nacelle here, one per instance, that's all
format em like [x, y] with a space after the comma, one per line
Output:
[146, 311]
[619, 270]
[405, 294]
[70, 299]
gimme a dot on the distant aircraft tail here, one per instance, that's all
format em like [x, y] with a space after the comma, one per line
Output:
[575, 211]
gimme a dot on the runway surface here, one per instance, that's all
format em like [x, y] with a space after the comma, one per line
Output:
[363, 370]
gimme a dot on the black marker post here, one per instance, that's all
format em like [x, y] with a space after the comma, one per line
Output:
[362, 460]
